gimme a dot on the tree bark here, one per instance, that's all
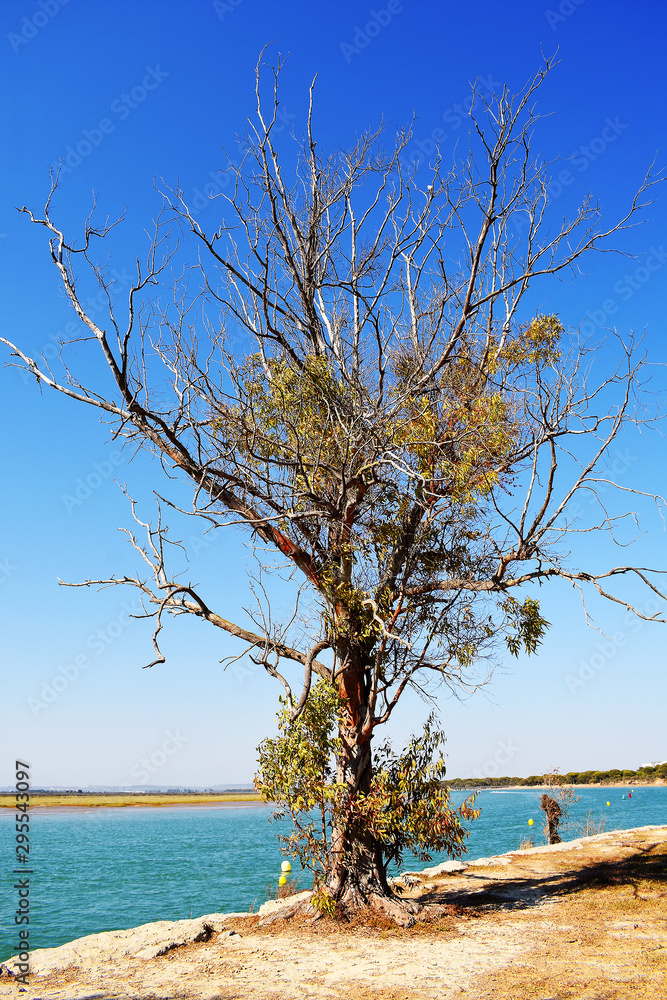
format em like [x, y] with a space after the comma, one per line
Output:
[553, 813]
[357, 878]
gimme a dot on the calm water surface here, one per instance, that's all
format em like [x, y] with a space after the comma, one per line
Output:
[104, 869]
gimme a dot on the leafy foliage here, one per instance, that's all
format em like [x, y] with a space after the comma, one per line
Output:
[407, 808]
[411, 482]
[296, 771]
[529, 625]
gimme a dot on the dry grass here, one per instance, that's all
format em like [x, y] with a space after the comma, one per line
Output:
[605, 937]
[590, 826]
[608, 944]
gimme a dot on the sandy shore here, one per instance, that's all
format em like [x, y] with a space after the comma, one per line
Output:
[61, 802]
[584, 919]
[545, 788]
[80, 810]
[128, 801]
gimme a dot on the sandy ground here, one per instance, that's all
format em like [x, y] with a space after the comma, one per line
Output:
[586, 920]
[130, 801]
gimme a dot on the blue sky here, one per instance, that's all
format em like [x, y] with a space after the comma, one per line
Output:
[126, 92]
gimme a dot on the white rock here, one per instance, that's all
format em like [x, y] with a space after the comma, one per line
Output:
[145, 942]
[273, 905]
[499, 859]
[446, 866]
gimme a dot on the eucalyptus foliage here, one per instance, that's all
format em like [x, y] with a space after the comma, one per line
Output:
[407, 807]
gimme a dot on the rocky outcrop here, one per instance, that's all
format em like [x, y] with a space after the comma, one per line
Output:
[273, 906]
[144, 942]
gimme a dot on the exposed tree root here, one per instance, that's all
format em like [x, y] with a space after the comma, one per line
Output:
[400, 912]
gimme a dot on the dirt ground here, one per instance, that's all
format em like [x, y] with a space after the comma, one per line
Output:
[586, 922]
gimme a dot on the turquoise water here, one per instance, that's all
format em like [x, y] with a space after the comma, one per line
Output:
[104, 869]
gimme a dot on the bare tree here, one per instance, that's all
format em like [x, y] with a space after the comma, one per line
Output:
[356, 382]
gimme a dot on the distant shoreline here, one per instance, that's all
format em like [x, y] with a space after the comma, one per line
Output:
[148, 800]
[128, 801]
[519, 788]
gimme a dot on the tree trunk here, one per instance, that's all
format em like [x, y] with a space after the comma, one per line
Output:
[357, 878]
[553, 813]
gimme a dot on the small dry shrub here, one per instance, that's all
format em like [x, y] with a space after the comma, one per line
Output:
[290, 888]
[589, 826]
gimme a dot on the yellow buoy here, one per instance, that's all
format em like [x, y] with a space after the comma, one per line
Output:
[608, 803]
[286, 867]
[282, 880]
[530, 822]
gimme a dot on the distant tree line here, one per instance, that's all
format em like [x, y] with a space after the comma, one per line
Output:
[647, 773]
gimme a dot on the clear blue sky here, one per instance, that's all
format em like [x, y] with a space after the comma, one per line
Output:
[174, 82]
